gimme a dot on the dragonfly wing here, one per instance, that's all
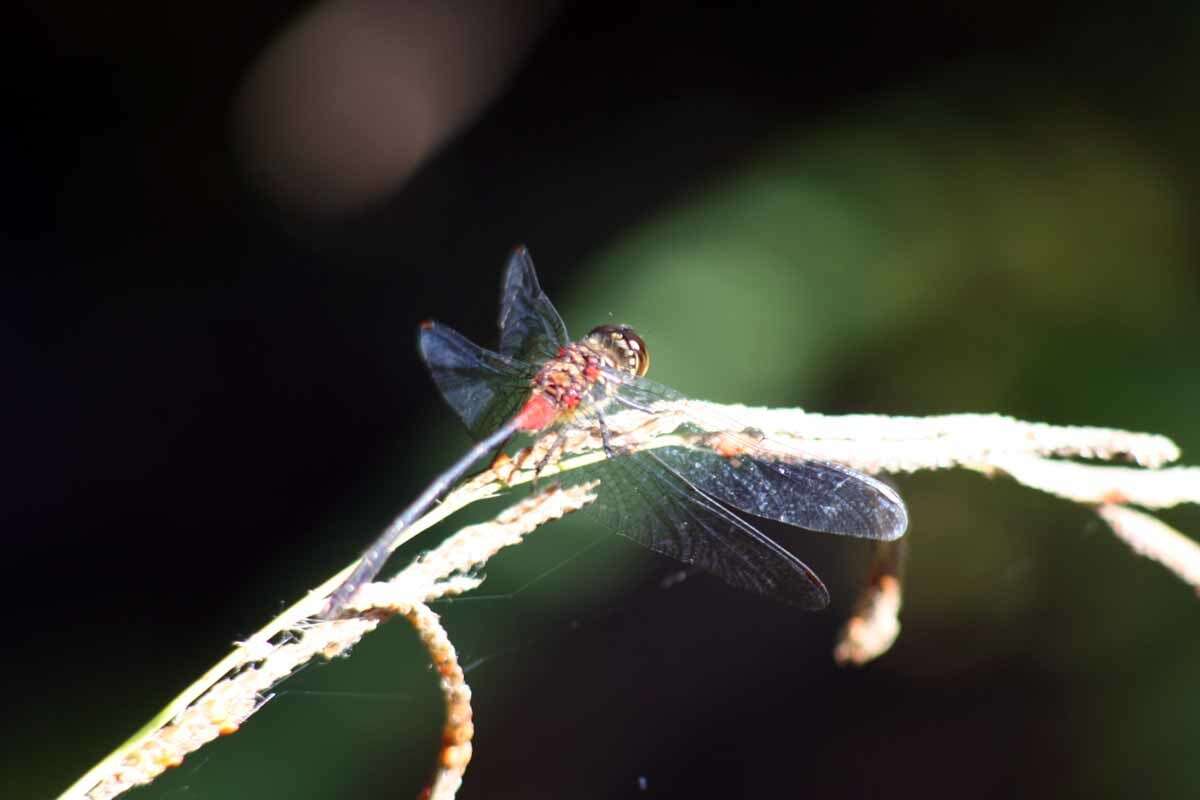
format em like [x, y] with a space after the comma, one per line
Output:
[530, 327]
[772, 482]
[815, 495]
[484, 388]
[642, 499]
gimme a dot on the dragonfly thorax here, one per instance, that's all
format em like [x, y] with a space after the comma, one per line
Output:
[581, 368]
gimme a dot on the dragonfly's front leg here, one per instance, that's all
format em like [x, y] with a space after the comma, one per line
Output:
[626, 441]
[506, 467]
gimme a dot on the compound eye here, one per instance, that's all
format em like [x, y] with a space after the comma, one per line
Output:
[626, 345]
[637, 345]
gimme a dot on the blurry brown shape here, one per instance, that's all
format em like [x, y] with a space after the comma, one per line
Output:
[875, 623]
[353, 96]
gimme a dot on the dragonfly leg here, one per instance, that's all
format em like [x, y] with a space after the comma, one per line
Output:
[606, 437]
[552, 453]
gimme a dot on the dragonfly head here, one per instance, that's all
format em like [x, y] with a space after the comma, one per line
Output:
[627, 349]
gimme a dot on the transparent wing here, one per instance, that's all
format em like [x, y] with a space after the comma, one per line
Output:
[484, 388]
[737, 469]
[643, 499]
[530, 327]
[815, 495]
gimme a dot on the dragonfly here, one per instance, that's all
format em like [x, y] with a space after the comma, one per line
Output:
[686, 500]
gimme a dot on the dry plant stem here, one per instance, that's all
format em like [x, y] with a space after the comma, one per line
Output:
[873, 627]
[459, 728]
[222, 709]
[1151, 538]
[258, 646]
[228, 702]
[875, 623]
[984, 443]
[1087, 483]
[875, 443]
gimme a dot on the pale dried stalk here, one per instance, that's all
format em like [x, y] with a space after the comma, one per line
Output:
[874, 443]
[873, 627]
[1151, 538]
[1089, 484]
[224, 707]
[984, 443]
[874, 624]
[459, 728]
[226, 704]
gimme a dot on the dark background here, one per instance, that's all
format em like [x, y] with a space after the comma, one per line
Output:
[213, 400]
